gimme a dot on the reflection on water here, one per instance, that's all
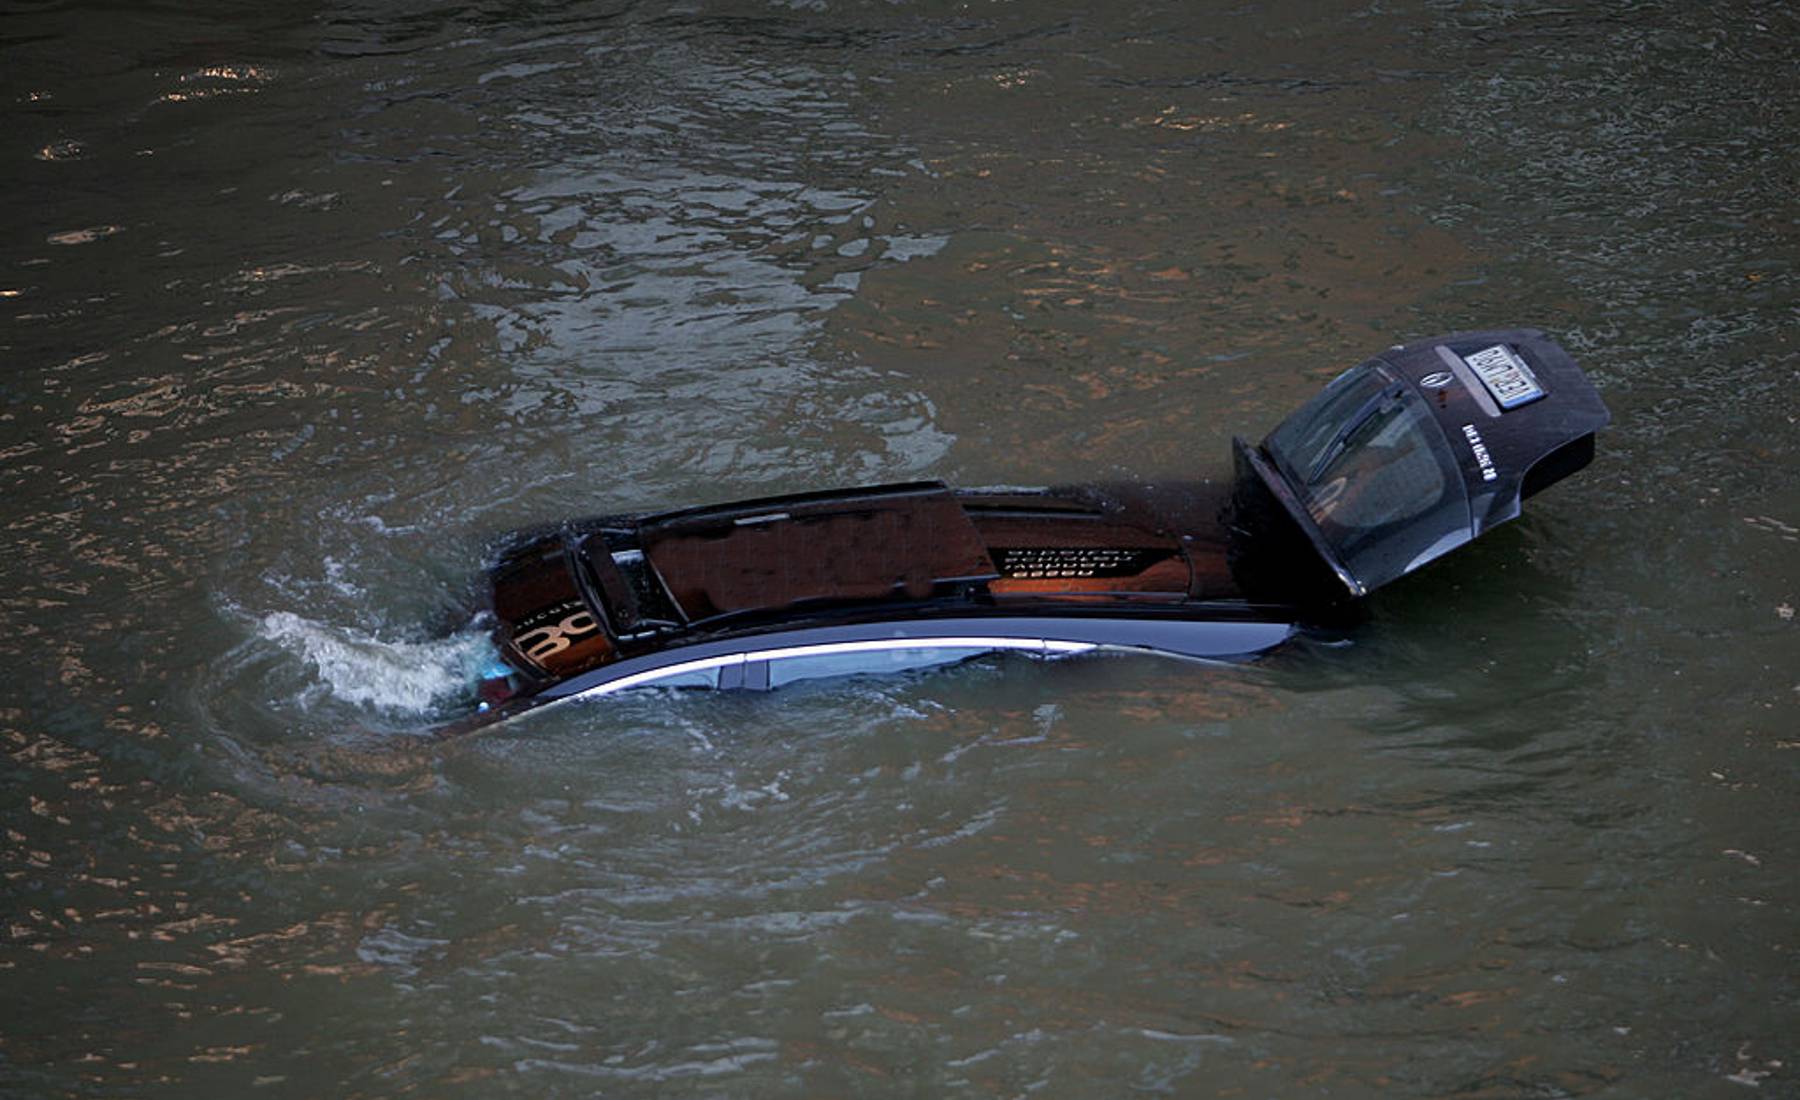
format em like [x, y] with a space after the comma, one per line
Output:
[304, 306]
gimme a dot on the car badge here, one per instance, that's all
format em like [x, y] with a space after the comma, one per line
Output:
[1437, 380]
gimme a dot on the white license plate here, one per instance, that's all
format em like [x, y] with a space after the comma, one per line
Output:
[1505, 375]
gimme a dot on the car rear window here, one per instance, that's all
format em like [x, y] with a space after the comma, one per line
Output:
[1372, 468]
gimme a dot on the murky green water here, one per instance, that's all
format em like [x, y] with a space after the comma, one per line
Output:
[299, 306]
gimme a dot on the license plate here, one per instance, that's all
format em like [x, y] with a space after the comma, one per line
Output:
[1505, 375]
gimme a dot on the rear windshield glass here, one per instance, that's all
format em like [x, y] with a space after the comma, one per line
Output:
[1372, 468]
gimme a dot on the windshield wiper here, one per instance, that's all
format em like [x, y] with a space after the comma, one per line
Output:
[1340, 442]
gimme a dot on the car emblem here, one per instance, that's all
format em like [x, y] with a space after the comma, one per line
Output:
[1436, 380]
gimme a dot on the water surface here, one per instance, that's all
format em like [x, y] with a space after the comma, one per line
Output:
[302, 307]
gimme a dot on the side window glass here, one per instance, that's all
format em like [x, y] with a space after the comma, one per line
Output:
[788, 670]
[693, 678]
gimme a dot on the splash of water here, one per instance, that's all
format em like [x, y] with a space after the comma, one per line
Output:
[399, 677]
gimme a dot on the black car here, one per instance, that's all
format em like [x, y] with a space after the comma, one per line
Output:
[1397, 462]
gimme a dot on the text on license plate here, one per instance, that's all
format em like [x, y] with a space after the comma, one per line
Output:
[1505, 375]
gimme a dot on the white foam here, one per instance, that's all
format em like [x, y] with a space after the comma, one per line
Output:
[392, 676]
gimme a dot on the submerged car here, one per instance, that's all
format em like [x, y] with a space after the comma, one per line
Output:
[1395, 463]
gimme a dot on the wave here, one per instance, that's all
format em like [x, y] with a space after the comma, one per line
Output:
[392, 676]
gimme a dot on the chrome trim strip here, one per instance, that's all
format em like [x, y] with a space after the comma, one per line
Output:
[1466, 375]
[650, 675]
[877, 645]
[873, 645]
